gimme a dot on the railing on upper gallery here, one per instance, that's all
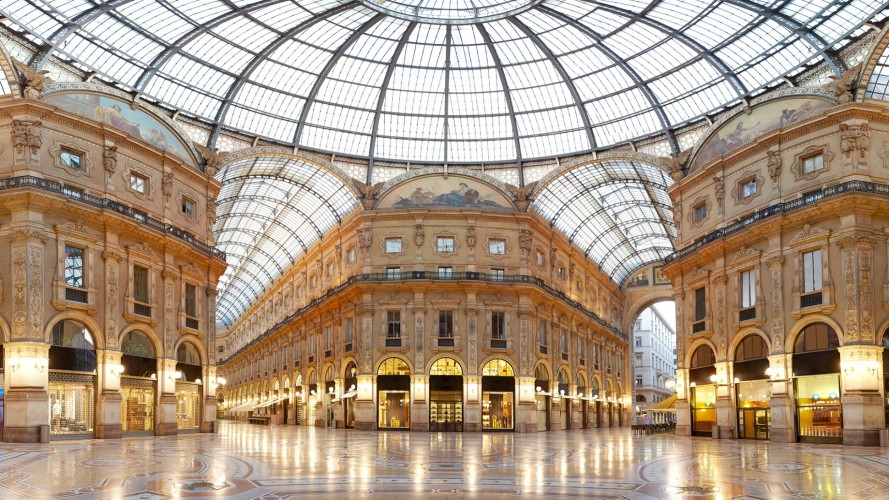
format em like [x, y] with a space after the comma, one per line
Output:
[433, 276]
[29, 181]
[780, 208]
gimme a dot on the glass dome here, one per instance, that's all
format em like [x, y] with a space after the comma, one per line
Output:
[434, 81]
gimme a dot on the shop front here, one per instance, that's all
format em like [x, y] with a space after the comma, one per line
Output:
[498, 396]
[583, 401]
[816, 368]
[138, 384]
[446, 396]
[72, 381]
[752, 392]
[702, 391]
[564, 401]
[542, 396]
[351, 390]
[188, 388]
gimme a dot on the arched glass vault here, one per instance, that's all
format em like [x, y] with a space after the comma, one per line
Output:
[271, 209]
[455, 82]
[617, 211]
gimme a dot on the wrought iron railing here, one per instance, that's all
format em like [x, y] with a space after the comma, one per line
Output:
[781, 208]
[433, 276]
[75, 295]
[29, 181]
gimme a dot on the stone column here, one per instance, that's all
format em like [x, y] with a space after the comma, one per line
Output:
[862, 402]
[109, 371]
[781, 402]
[365, 410]
[26, 401]
[472, 412]
[166, 410]
[208, 415]
[725, 408]
[683, 417]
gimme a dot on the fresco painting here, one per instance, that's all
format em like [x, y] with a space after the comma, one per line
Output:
[119, 115]
[745, 128]
[439, 192]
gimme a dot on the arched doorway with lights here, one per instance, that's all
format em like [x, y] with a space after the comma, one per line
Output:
[446, 396]
[189, 393]
[138, 384]
[393, 395]
[72, 380]
[498, 396]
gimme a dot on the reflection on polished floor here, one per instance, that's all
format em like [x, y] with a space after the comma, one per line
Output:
[248, 461]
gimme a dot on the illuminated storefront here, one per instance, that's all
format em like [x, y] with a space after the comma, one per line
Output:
[138, 384]
[72, 380]
[498, 396]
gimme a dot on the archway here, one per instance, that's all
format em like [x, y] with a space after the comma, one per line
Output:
[446, 396]
[138, 385]
[498, 395]
[189, 394]
[72, 380]
[564, 401]
[653, 340]
[543, 397]
[393, 395]
[702, 388]
[753, 389]
[816, 378]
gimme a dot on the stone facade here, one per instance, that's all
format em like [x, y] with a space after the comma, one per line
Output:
[50, 202]
[350, 284]
[813, 239]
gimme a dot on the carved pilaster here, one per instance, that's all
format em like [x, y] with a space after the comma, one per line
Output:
[364, 358]
[526, 363]
[211, 324]
[472, 339]
[680, 329]
[112, 304]
[169, 316]
[857, 254]
[27, 273]
[777, 310]
[719, 282]
[419, 337]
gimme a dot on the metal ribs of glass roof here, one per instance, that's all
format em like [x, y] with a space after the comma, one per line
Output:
[559, 78]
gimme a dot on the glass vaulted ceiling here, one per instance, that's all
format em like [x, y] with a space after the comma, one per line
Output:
[363, 78]
[271, 209]
[618, 212]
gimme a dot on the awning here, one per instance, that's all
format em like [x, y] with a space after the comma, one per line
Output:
[244, 407]
[666, 406]
[350, 394]
[268, 403]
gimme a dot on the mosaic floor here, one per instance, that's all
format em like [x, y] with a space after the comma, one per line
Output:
[246, 461]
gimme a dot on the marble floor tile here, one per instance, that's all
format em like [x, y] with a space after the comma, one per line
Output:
[248, 461]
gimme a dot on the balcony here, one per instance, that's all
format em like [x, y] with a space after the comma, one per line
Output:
[393, 344]
[810, 299]
[192, 323]
[76, 295]
[747, 314]
[491, 345]
[699, 327]
[447, 344]
[142, 309]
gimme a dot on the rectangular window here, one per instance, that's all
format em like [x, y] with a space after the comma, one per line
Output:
[328, 337]
[311, 341]
[497, 247]
[445, 324]
[748, 289]
[140, 284]
[564, 341]
[497, 274]
[813, 163]
[189, 206]
[393, 245]
[560, 272]
[581, 352]
[608, 361]
[350, 255]
[638, 341]
[191, 304]
[393, 273]
[638, 380]
[139, 183]
[699, 212]
[393, 324]
[445, 245]
[350, 329]
[70, 158]
[539, 258]
[329, 270]
[748, 188]
[445, 272]
[541, 333]
[498, 325]
[595, 356]
[812, 271]
[74, 267]
[700, 303]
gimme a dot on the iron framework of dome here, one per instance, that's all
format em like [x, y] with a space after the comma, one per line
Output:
[511, 80]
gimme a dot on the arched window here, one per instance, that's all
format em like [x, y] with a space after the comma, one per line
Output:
[446, 366]
[751, 359]
[640, 398]
[540, 373]
[816, 337]
[752, 347]
[703, 357]
[498, 368]
[72, 347]
[393, 366]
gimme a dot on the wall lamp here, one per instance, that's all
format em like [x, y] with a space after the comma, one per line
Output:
[116, 370]
[19, 364]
